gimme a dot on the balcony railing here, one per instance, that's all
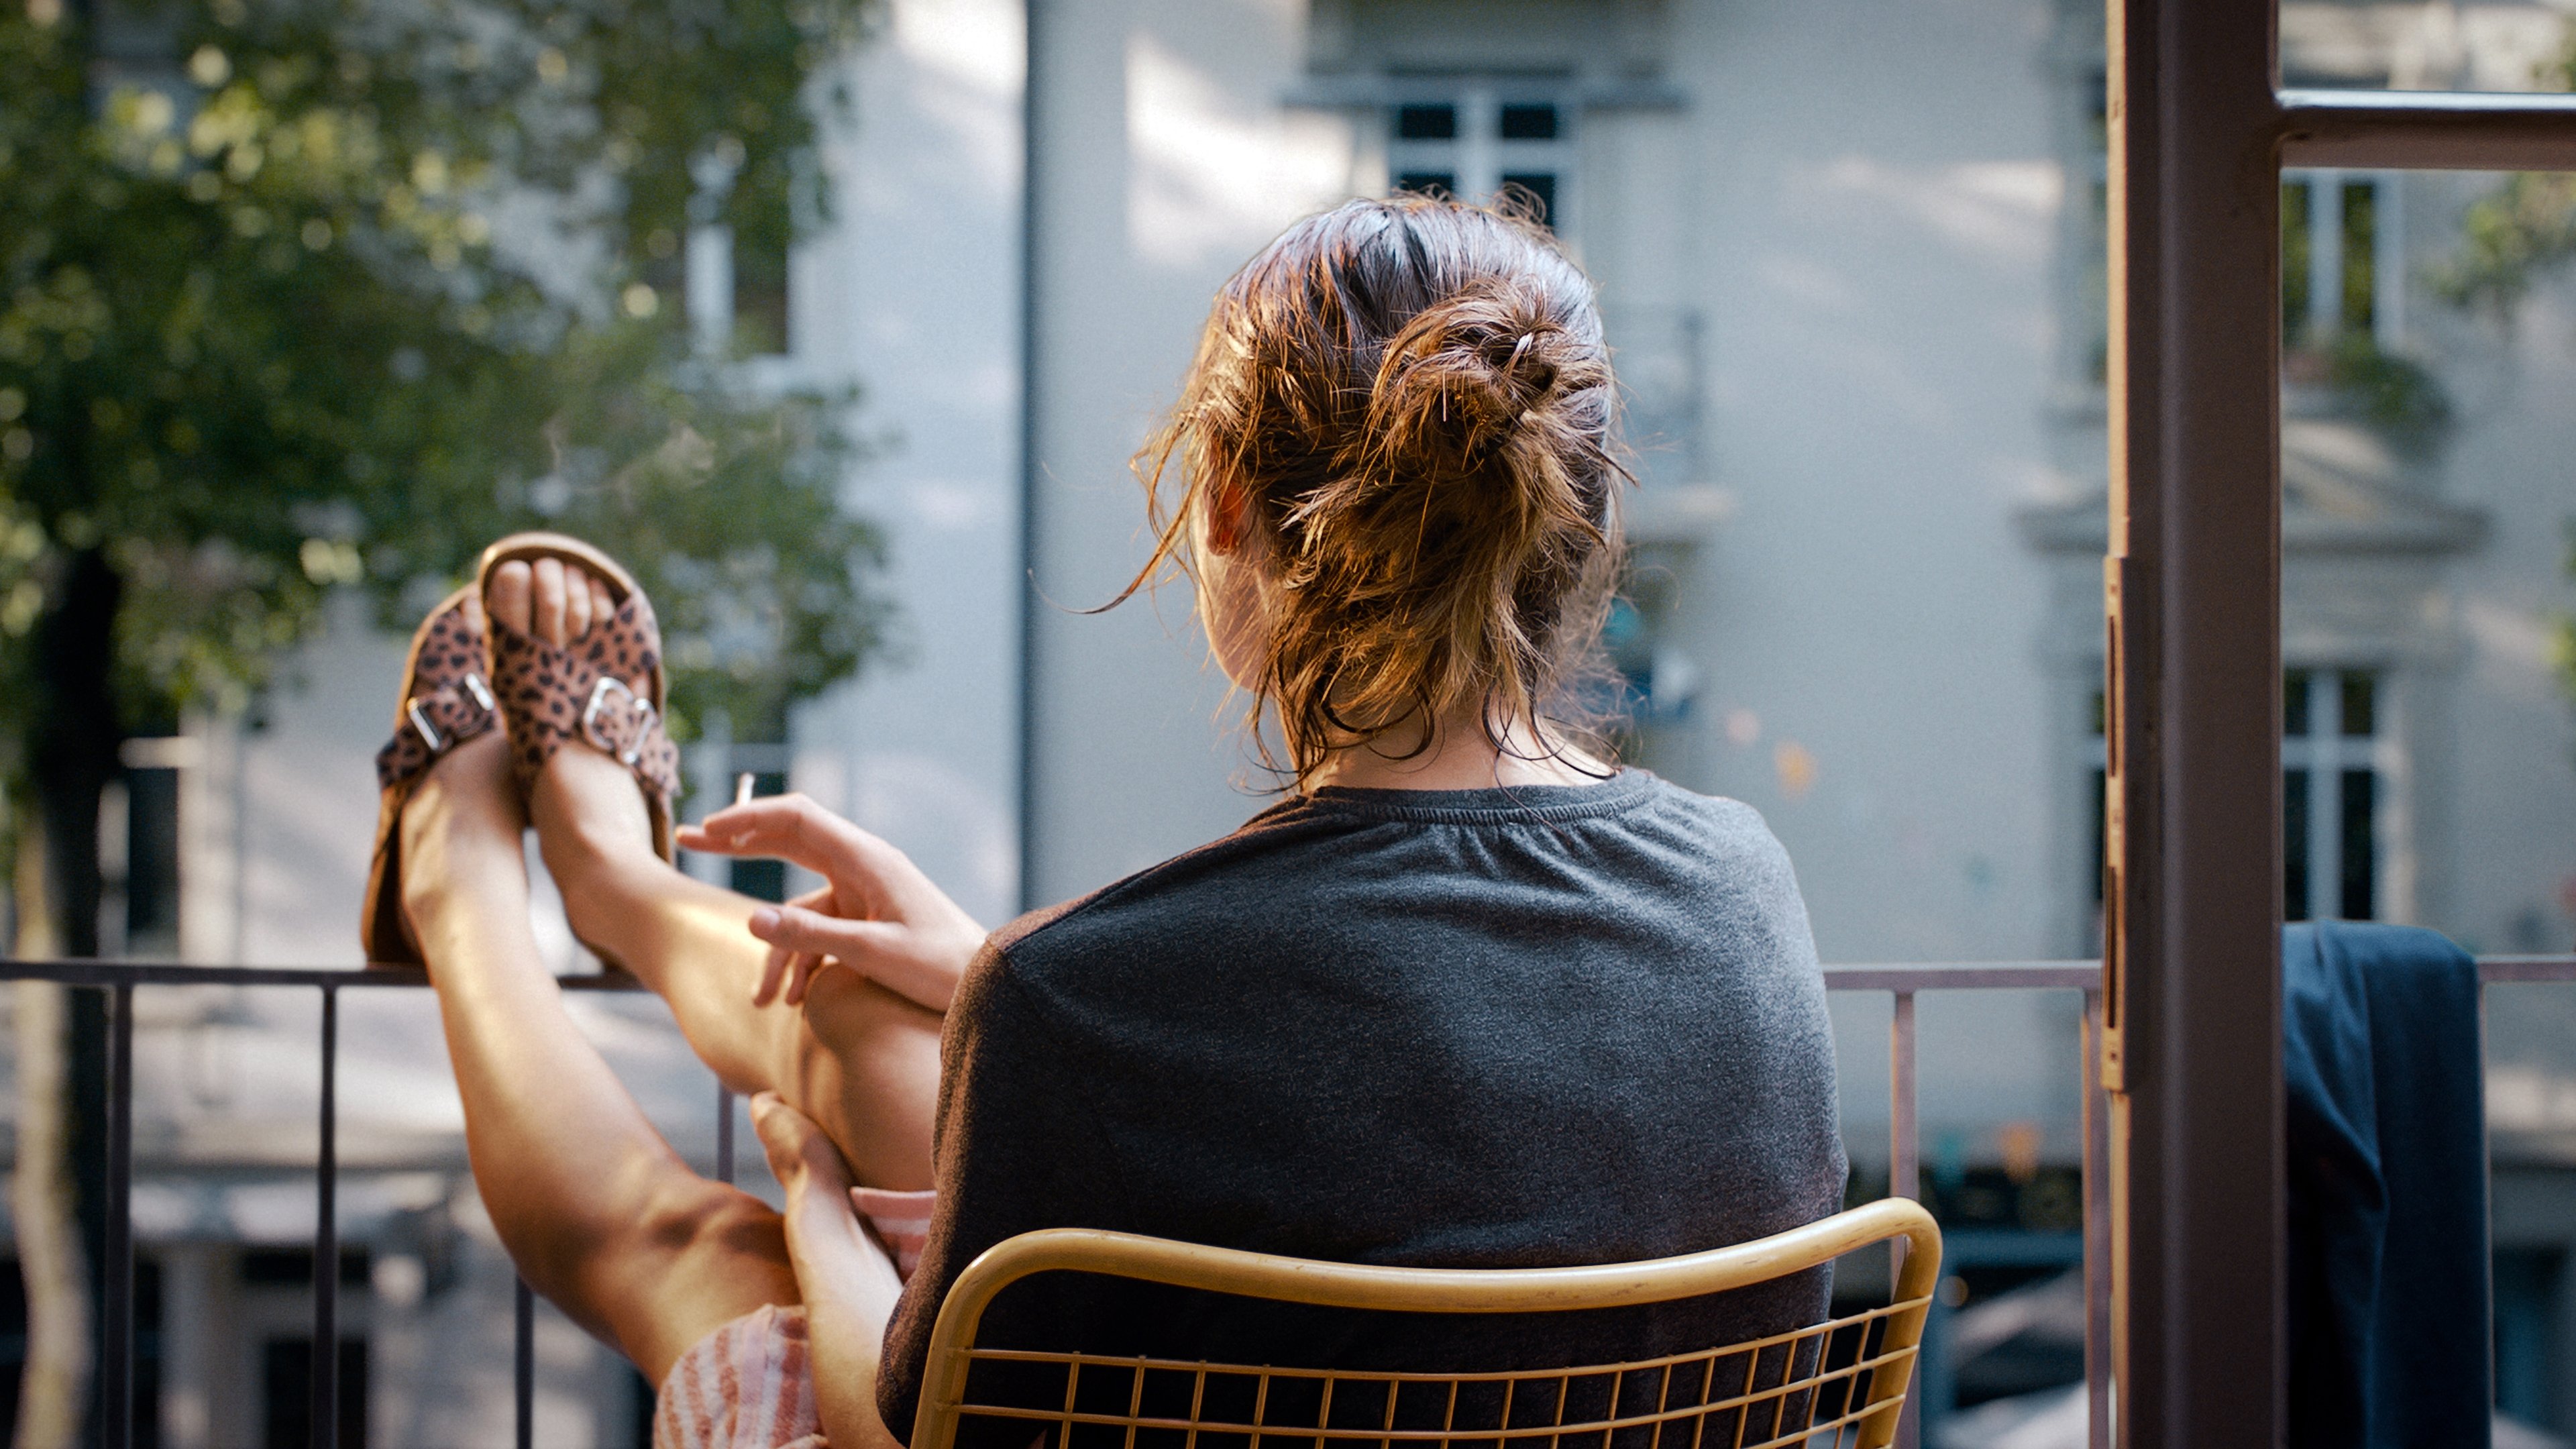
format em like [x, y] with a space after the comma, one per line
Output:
[120, 979]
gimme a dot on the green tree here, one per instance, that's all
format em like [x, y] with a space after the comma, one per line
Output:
[316, 293]
[259, 337]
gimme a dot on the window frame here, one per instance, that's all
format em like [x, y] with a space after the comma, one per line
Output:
[1477, 156]
[2191, 1050]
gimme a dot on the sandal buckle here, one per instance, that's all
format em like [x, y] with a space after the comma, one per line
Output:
[640, 718]
[473, 687]
[420, 725]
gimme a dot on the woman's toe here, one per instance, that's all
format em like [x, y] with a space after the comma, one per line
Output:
[577, 618]
[510, 596]
[550, 600]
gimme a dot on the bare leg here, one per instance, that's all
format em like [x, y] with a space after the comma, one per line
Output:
[860, 1060]
[599, 1213]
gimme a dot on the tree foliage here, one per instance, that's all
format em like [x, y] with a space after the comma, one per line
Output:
[2510, 238]
[310, 293]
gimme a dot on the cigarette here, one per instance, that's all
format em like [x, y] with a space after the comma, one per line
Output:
[742, 788]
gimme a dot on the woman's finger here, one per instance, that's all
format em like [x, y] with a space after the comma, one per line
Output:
[802, 980]
[775, 1124]
[791, 819]
[800, 970]
[794, 829]
[772, 971]
[795, 928]
[795, 1143]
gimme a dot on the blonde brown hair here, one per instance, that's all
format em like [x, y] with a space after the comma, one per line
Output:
[1412, 400]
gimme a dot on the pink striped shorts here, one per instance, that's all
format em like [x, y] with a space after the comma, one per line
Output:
[750, 1384]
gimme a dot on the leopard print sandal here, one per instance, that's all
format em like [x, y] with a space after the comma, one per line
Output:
[446, 701]
[604, 689]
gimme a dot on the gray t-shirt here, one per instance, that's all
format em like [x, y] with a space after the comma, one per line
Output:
[1476, 1028]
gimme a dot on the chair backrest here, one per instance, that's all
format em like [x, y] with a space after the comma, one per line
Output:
[1833, 1383]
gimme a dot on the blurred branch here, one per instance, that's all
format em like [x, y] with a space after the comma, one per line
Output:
[2524, 228]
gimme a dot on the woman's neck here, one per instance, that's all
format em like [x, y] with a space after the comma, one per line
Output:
[1462, 755]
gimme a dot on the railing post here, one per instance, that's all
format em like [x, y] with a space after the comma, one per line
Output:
[116, 1371]
[523, 1364]
[724, 1135]
[1904, 1141]
[1904, 1170]
[2097, 1229]
[326, 1237]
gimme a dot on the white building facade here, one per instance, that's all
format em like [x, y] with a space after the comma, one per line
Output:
[1850, 256]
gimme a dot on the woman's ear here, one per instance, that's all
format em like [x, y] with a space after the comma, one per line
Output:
[1229, 519]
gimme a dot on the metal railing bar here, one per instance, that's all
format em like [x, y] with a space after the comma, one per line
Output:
[116, 1369]
[1904, 1171]
[724, 1135]
[92, 972]
[1965, 976]
[523, 1364]
[1903, 1110]
[120, 978]
[2454, 130]
[2493, 970]
[2097, 1227]
[2074, 975]
[2086, 975]
[326, 1237]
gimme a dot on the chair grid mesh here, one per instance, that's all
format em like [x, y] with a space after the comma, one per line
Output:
[1811, 1387]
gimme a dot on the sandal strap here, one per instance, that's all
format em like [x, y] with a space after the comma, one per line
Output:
[450, 702]
[433, 724]
[599, 691]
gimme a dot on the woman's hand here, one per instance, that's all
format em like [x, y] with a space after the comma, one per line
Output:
[877, 914]
[847, 1280]
[811, 1170]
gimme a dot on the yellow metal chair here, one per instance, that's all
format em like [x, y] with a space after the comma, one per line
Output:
[1830, 1384]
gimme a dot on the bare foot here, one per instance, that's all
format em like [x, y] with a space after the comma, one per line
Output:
[460, 840]
[550, 599]
[586, 806]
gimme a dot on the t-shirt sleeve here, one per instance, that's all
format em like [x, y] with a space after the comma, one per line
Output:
[1013, 1151]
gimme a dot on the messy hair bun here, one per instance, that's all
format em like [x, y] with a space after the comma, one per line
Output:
[1412, 402]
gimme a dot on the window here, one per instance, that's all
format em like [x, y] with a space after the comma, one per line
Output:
[736, 290]
[757, 231]
[1476, 141]
[2332, 755]
[2330, 795]
[286, 1393]
[2342, 273]
[285, 1363]
[762, 879]
[726, 267]
[138, 849]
